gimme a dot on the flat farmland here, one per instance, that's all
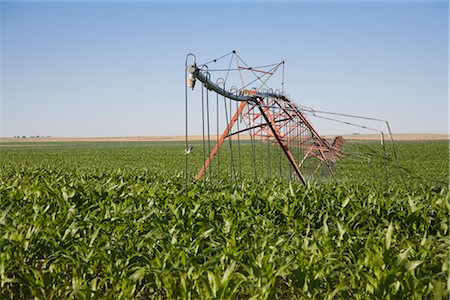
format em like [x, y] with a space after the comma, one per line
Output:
[114, 219]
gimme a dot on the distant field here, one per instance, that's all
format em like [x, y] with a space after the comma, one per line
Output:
[112, 219]
[399, 137]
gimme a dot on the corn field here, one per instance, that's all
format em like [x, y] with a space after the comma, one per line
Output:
[114, 220]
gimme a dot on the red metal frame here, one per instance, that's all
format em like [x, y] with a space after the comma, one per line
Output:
[270, 119]
[222, 138]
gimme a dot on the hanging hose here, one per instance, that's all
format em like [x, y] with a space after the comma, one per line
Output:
[252, 139]
[239, 148]
[217, 136]
[395, 154]
[232, 169]
[209, 134]
[385, 158]
[203, 131]
[268, 152]
[186, 133]
[186, 145]
[229, 141]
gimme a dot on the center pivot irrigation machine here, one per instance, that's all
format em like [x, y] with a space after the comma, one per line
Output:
[250, 124]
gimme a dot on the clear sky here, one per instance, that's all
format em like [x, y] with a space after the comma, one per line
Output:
[117, 68]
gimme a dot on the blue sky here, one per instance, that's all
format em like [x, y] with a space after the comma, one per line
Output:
[117, 69]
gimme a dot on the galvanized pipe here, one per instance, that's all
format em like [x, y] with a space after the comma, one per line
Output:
[196, 73]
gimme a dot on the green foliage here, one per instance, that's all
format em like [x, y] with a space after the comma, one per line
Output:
[115, 221]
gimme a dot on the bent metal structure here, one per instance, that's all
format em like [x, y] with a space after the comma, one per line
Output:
[265, 115]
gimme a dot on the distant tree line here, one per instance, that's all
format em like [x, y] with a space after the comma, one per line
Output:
[30, 137]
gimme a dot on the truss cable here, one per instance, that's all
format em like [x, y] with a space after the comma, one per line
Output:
[255, 68]
[215, 60]
[268, 77]
[229, 67]
[422, 178]
[224, 70]
[368, 157]
[371, 119]
[253, 127]
[282, 79]
[240, 71]
[257, 77]
[312, 110]
[343, 122]
[365, 127]
[357, 155]
[265, 66]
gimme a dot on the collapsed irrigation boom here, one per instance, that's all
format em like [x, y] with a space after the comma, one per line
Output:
[266, 115]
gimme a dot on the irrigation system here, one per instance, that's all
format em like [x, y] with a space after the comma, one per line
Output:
[242, 104]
